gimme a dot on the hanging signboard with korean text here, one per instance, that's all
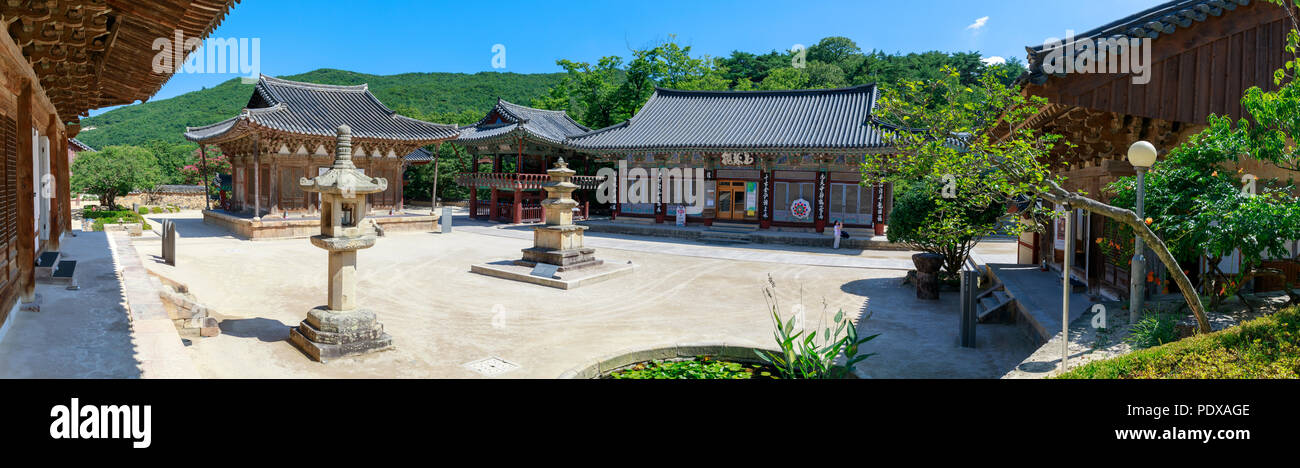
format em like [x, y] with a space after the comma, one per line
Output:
[737, 159]
[751, 198]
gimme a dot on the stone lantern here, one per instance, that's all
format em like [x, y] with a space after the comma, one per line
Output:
[340, 328]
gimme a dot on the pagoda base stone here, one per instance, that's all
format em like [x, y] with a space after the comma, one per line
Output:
[566, 260]
[574, 278]
[329, 334]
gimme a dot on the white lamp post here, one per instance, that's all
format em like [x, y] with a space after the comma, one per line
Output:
[1141, 155]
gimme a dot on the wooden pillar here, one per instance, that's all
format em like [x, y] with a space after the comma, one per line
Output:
[517, 213]
[65, 184]
[473, 186]
[399, 173]
[274, 184]
[257, 179]
[614, 205]
[878, 219]
[496, 169]
[821, 206]
[661, 208]
[433, 198]
[65, 187]
[203, 171]
[58, 165]
[765, 186]
[26, 198]
[710, 176]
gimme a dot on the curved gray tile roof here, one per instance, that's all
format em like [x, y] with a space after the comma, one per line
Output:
[420, 155]
[316, 109]
[81, 145]
[506, 117]
[1150, 23]
[837, 119]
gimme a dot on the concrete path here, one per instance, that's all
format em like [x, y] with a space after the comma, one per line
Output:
[76, 334]
[159, 346]
[442, 316]
[995, 250]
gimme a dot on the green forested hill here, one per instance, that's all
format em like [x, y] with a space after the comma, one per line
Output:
[432, 96]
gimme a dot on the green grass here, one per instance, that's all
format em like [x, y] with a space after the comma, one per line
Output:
[702, 367]
[115, 217]
[1264, 348]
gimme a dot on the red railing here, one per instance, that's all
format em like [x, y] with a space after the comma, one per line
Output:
[512, 181]
[531, 211]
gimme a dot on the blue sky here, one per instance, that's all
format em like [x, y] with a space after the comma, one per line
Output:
[398, 36]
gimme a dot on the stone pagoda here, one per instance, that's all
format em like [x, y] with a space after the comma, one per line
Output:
[558, 258]
[340, 328]
[559, 242]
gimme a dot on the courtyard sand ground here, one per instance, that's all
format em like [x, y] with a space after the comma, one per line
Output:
[442, 316]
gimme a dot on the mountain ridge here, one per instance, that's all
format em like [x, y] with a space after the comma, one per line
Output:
[453, 97]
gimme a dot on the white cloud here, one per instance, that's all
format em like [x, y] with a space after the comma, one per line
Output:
[979, 23]
[994, 60]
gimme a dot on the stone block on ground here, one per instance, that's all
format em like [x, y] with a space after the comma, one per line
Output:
[1187, 326]
[210, 327]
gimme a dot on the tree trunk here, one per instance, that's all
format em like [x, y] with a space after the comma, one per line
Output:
[1059, 195]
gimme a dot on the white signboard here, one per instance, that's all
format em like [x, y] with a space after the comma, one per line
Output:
[681, 215]
[545, 270]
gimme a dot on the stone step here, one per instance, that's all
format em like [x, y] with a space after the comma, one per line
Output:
[45, 265]
[63, 274]
[741, 236]
[48, 260]
[992, 304]
[724, 238]
[733, 227]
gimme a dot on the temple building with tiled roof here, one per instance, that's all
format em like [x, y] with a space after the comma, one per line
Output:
[785, 159]
[287, 131]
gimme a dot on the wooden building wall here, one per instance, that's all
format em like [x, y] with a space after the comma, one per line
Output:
[1197, 71]
[24, 106]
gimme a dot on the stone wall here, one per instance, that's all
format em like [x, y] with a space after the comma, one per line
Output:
[184, 200]
[291, 228]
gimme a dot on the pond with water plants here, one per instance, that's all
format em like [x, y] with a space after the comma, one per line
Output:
[701, 367]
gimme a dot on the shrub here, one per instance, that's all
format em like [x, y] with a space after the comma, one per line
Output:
[802, 357]
[948, 227]
[1264, 348]
[156, 210]
[1153, 330]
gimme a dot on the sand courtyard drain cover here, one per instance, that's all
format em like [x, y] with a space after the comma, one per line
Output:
[491, 366]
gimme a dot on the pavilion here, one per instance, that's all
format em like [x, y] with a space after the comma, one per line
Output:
[530, 140]
[286, 133]
[786, 159]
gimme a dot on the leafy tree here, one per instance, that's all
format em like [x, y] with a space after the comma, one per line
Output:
[825, 75]
[931, 223]
[113, 171]
[834, 50]
[947, 129]
[744, 66]
[785, 78]
[216, 164]
[172, 157]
